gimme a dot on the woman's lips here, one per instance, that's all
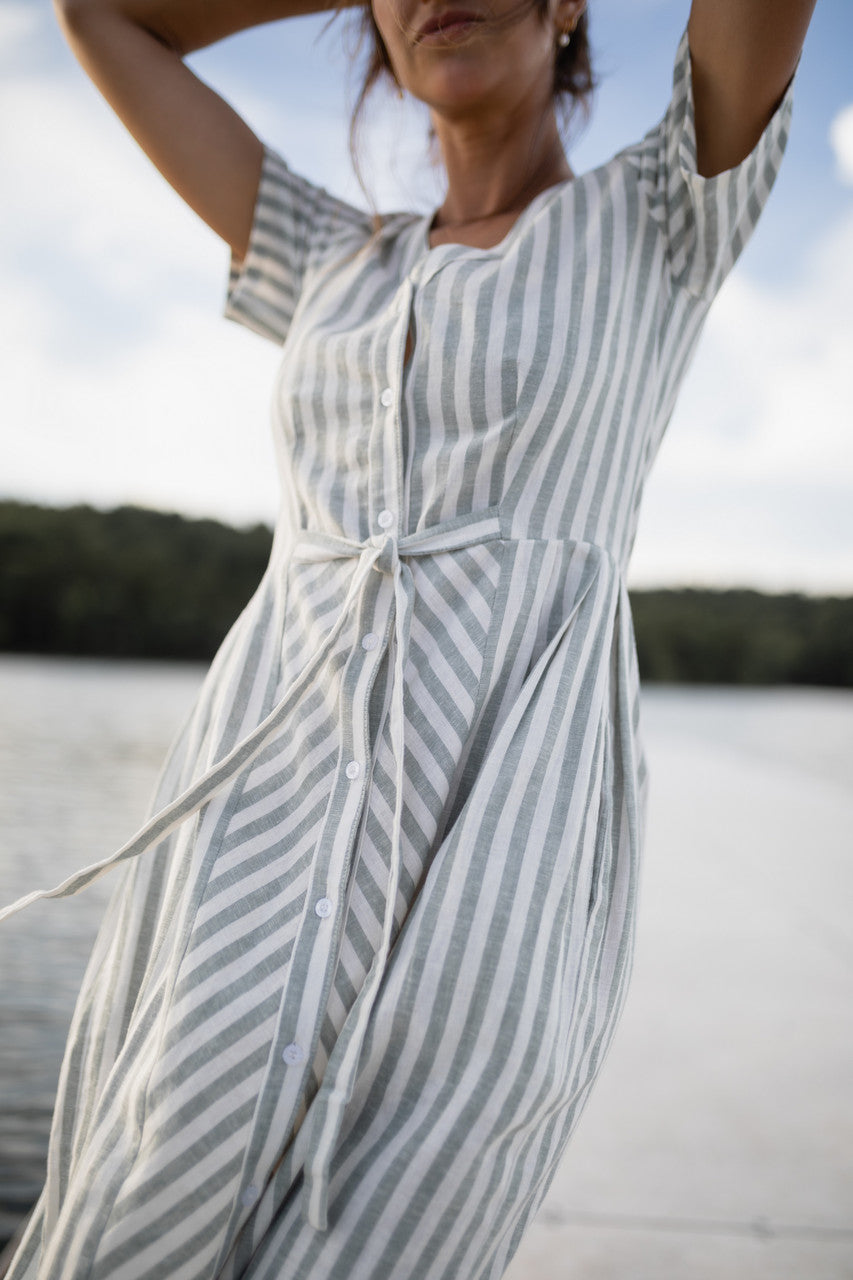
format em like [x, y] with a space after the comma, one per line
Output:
[446, 27]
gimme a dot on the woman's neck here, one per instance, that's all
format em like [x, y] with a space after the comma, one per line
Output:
[493, 173]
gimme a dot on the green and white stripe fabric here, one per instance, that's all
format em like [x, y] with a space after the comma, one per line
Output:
[363, 965]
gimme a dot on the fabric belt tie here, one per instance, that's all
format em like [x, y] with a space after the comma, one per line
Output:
[387, 554]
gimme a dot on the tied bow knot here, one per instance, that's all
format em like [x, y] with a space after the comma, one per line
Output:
[388, 557]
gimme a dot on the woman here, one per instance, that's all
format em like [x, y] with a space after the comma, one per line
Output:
[366, 958]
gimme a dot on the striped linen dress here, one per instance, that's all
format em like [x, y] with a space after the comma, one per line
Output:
[346, 1007]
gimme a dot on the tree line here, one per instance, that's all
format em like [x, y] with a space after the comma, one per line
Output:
[135, 583]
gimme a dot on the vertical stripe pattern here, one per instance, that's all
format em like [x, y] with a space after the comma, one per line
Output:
[363, 963]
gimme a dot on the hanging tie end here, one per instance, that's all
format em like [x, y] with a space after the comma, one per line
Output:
[315, 1203]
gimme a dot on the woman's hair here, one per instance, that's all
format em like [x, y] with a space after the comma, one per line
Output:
[574, 81]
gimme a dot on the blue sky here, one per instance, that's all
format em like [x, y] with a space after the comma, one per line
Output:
[122, 384]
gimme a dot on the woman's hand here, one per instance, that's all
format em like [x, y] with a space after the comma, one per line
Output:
[743, 54]
[133, 49]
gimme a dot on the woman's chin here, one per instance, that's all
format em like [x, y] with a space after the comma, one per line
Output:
[458, 88]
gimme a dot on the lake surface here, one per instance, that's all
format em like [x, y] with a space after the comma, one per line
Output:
[81, 745]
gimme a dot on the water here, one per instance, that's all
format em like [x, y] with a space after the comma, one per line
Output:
[81, 745]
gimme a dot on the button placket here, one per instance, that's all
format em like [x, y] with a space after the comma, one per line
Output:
[386, 479]
[324, 913]
[391, 518]
[338, 842]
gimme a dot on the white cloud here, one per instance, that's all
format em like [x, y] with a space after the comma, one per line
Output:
[755, 477]
[395, 155]
[778, 537]
[841, 141]
[73, 181]
[771, 393]
[177, 421]
[19, 24]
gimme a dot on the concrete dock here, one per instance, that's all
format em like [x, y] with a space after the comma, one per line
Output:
[718, 1142]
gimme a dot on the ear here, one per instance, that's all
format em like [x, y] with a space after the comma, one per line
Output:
[565, 13]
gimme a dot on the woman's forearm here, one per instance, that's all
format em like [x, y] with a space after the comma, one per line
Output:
[743, 54]
[182, 25]
[133, 51]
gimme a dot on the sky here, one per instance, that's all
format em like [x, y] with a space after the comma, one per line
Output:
[122, 383]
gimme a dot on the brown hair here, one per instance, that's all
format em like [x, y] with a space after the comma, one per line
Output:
[574, 80]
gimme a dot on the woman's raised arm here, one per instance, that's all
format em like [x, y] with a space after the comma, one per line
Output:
[133, 51]
[743, 54]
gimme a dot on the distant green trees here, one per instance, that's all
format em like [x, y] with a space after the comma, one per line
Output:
[126, 583]
[743, 637]
[145, 584]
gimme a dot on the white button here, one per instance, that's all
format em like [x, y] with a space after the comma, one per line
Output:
[387, 397]
[353, 769]
[292, 1054]
[250, 1195]
[323, 907]
[385, 519]
[369, 641]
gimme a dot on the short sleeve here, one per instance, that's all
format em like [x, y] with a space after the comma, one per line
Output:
[707, 221]
[295, 223]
